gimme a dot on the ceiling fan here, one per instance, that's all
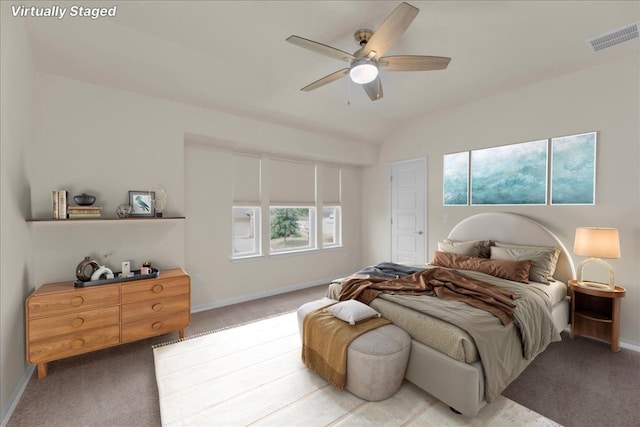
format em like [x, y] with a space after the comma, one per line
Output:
[366, 62]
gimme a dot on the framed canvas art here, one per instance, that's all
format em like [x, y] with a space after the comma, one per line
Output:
[513, 174]
[573, 169]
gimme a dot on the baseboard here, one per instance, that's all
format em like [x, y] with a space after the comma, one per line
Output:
[24, 381]
[622, 343]
[258, 295]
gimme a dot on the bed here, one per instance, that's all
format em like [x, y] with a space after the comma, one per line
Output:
[444, 359]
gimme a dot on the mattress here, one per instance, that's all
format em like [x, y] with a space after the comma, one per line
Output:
[436, 333]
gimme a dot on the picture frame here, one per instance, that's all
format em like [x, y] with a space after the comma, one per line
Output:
[455, 181]
[573, 169]
[142, 203]
[514, 174]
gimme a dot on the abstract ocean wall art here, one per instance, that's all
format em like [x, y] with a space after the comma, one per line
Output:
[456, 179]
[573, 169]
[513, 174]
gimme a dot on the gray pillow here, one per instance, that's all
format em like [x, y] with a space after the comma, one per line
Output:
[474, 248]
[543, 259]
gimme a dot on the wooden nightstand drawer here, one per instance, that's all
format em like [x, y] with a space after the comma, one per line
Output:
[154, 307]
[153, 289]
[72, 301]
[72, 344]
[155, 326]
[59, 325]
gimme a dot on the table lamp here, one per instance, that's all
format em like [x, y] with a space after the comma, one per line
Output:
[597, 243]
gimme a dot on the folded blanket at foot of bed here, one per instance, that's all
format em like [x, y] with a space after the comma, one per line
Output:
[326, 340]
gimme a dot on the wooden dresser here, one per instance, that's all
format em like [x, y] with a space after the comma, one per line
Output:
[64, 321]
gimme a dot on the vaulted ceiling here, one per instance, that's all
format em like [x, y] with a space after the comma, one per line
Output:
[232, 55]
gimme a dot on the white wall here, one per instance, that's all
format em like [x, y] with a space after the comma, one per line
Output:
[603, 98]
[15, 141]
[107, 142]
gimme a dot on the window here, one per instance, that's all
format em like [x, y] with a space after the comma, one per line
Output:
[292, 201]
[292, 228]
[246, 231]
[246, 216]
[331, 212]
[331, 226]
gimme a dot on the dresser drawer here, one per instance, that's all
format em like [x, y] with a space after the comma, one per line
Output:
[154, 307]
[75, 343]
[72, 301]
[144, 290]
[155, 326]
[66, 323]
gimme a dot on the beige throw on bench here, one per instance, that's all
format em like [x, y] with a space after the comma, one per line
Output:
[325, 340]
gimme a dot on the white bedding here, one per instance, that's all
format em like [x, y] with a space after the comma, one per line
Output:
[556, 291]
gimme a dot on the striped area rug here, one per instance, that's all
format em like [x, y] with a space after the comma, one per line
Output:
[253, 375]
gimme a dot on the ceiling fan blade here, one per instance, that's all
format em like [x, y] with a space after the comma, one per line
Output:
[374, 89]
[320, 48]
[326, 80]
[390, 30]
[413, 63]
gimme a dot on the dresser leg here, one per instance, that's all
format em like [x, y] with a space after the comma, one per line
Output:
[181, 333]
[42, 370]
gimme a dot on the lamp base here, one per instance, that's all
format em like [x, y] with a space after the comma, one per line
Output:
[594, 285]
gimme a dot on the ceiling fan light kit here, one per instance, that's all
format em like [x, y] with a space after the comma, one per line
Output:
[367, 61]
[363, 71]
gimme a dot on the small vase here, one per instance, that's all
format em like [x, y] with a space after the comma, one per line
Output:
[123, 210]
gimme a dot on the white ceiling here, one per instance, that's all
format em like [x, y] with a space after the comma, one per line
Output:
[232, 55]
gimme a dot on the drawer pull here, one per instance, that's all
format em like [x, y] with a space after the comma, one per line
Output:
[77, 301]
[157, 289]
[157, 307]
[77, 343]
[157, 325]
[77, 322]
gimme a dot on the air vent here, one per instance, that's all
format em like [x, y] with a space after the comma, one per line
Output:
[616, 37]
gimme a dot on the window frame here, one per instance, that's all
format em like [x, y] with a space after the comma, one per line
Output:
[257, 232]
[312, 232]
[337, 227]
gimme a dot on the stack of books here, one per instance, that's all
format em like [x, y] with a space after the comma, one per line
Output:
[77, 212]
[59, 204]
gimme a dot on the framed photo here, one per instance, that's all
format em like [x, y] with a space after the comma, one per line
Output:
[455, 179]
[513, 174]
[573, 169]
[142, 203]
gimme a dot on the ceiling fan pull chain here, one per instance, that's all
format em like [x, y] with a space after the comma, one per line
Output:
[349, 92]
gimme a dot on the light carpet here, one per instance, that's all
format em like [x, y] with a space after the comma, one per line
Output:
[253, 375]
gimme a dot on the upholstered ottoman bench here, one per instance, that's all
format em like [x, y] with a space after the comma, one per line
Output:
[376, 360]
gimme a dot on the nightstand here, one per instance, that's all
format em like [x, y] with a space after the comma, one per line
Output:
[596, 312]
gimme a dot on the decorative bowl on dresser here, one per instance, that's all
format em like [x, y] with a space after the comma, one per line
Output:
[64, 320]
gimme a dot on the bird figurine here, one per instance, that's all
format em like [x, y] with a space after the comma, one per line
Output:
[142, 204]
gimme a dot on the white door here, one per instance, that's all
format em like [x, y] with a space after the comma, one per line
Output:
[408, 211]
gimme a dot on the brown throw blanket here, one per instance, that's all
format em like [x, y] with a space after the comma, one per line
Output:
[441, 282]
[325, 340]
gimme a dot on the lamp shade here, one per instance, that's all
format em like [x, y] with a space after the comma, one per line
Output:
[363, 72]
[597, 242]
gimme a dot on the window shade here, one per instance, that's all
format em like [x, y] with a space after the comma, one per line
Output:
[246, 179]
[331, 185]
[292, 183]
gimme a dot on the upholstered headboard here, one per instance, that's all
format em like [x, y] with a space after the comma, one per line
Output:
[515, 229]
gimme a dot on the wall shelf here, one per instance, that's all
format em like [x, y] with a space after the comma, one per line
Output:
[50, 220]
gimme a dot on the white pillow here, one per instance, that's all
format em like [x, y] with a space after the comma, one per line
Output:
[352, 311]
